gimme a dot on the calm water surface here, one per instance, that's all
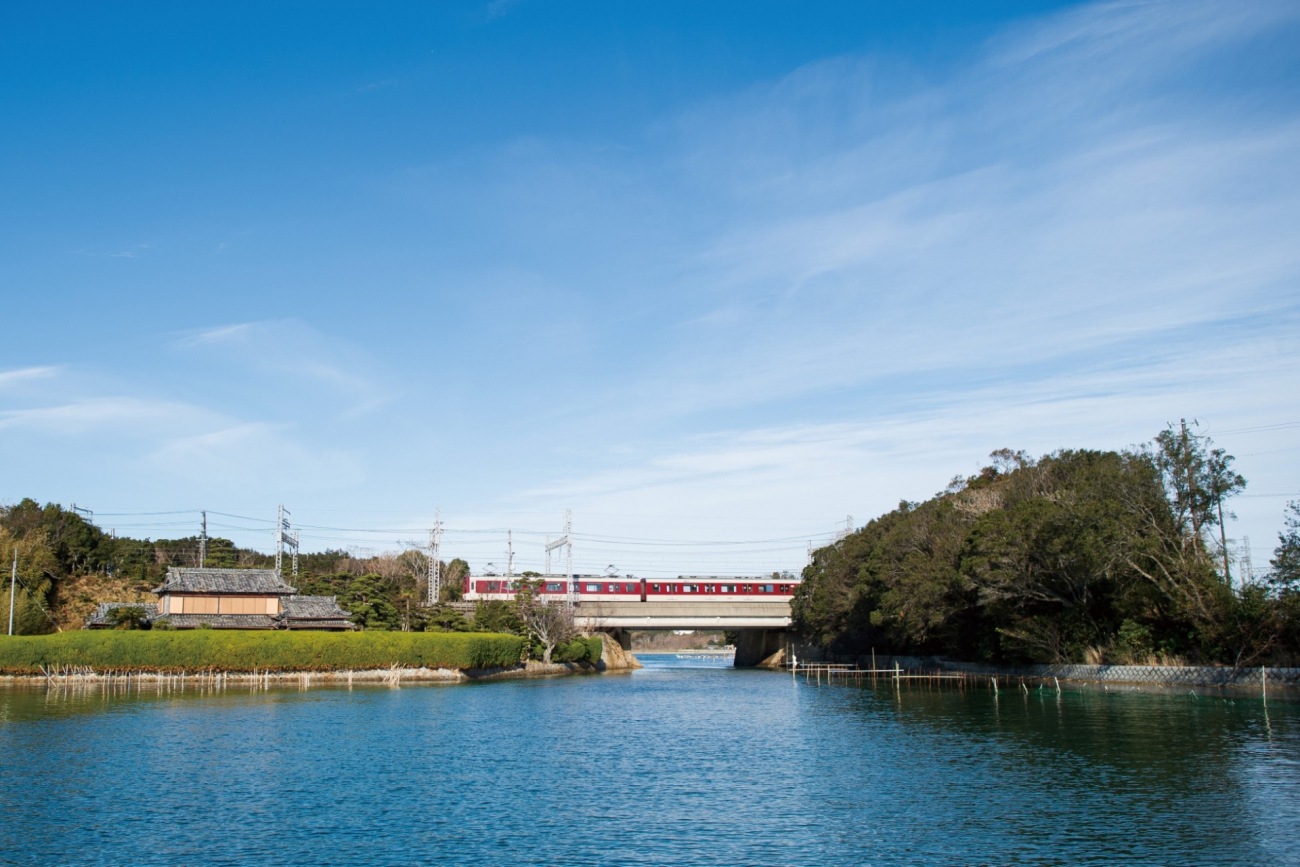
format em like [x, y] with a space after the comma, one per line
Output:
[684, 762]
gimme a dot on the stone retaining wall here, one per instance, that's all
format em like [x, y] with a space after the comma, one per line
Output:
[1165, 675]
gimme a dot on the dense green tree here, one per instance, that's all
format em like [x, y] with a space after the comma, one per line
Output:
[1286, 557]
[1078, 555]
[128, 617]
[453, 581]
[370, 598]
[444, 618]
[497, 615]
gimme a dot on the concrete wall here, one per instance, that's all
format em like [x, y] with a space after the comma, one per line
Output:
[1165, 675]
[761, 647]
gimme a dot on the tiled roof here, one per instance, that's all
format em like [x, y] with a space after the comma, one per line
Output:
[222, 621]
[100, 617]
[224, 581]
[322, 623]
[314, 612]
[312, 607]
[299, 612]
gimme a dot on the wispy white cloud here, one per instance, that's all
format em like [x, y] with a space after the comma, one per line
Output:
[1050, 248]
[297, 356]
[79, 416]
[254, 457]
[23, 375]
[238, 333]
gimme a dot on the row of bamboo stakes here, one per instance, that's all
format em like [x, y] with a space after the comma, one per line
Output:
[84, 679]
[846, 673]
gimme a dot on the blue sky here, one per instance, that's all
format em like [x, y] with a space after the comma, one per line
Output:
[699, 272]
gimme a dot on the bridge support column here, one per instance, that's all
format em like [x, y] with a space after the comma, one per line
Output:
[762, 648]
[622, 636]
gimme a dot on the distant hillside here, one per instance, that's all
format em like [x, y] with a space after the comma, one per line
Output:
[1077, 556]
[68, 565]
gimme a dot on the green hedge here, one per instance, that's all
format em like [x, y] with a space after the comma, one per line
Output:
[232, 650]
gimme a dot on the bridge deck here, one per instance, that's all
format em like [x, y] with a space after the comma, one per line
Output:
[719, 614]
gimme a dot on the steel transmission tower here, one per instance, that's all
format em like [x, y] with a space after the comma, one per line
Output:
[284, 539]
[435, 558]
[847, 531]
[565, 542]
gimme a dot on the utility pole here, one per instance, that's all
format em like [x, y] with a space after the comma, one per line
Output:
[295, 553]
[435, 562]
[13, 580]
[203, 541]
[510, 555]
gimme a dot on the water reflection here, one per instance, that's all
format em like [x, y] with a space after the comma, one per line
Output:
[684, 762]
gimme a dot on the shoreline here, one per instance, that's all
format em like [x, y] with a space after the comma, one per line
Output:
[693, 652]
[613, 659]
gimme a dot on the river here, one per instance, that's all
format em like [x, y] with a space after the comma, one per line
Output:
[683, 762]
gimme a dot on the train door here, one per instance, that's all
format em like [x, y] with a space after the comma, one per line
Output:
[642, 589]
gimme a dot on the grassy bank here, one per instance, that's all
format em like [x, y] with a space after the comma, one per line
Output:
[219, 650]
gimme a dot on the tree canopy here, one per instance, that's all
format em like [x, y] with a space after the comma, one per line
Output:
[1077, 556]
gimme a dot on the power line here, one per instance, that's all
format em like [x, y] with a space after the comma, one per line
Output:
[1284, 425]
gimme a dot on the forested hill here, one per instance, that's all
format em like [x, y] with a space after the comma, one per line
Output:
[1079, 556]
[67, 565]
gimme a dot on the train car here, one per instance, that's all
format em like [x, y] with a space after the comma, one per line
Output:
[627, 588]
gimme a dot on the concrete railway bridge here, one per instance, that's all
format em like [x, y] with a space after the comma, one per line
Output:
[762, 626]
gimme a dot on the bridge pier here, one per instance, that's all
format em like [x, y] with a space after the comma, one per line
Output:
[761, 648]
[621, 635]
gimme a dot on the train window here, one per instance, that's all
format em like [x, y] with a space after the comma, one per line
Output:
[747, 588]
[555, 587]
[593, 588]
[768, 588]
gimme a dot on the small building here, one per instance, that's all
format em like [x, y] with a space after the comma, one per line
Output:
[314, 612]
[233, 599]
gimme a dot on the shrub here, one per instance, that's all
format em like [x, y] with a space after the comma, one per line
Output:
[1134, 642]
[577, 650]
[230, 650]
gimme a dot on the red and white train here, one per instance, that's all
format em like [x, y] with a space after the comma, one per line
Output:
[605, 588]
